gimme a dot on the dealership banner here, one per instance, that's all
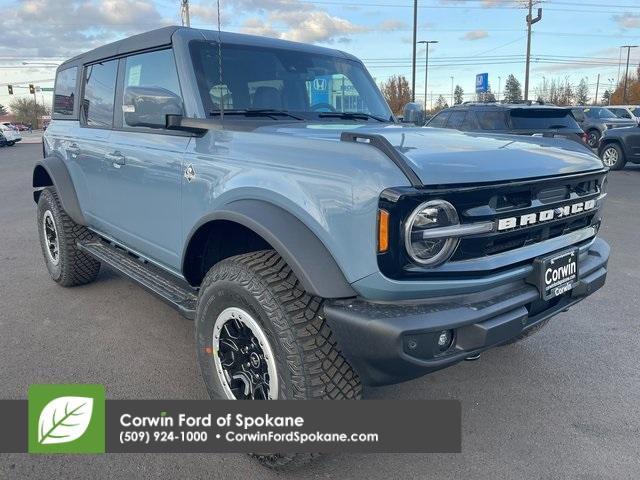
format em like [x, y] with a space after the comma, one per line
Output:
[78, 419]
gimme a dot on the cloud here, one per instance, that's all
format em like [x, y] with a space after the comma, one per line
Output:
[289, 20]
[485, 3]
[67, 27]
[627, 20]
[475, 35]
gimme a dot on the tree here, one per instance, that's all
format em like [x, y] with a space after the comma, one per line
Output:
[458, 95]
[27, 110]
[3, 111]
[512, 89]
[582, 93]
[606, 97]
[487, 97]
[441, 104]
[397, 92]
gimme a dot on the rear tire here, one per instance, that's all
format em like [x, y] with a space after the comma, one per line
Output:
[59, 235]
[11, 144]
[613, 157]
[593, 138]
[264, 293]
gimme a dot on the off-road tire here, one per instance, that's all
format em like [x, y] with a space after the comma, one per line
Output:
[308, 361]
[527, 333]
[74, 266]
[11, 144]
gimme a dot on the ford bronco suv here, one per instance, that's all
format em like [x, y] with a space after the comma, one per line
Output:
[264, 189]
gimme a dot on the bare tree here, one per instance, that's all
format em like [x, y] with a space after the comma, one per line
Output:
[27, 110]
[397, 92]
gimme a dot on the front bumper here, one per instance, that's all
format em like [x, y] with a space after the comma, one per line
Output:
[393, 342]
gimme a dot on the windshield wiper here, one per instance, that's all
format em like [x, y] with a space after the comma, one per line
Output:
[352, 116]
[262, 112]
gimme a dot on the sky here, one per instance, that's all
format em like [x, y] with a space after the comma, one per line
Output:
[574, 40]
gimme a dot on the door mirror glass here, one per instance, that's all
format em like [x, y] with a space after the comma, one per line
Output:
[149, 106]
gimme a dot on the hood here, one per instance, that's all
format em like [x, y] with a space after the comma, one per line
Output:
[442, 156]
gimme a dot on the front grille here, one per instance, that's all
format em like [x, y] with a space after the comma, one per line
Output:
[515, 202]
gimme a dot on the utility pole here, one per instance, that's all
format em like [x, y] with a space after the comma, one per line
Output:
[626, 73]
[415, 47]
[597, 88]
[426, 69]
[184, 10]
[530, 22]
[499, 86]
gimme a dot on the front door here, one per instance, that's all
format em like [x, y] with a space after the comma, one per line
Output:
[144, 166]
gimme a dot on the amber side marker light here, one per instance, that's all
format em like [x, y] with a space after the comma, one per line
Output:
[383, 231]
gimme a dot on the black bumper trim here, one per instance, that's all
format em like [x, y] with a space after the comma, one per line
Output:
[373, 336]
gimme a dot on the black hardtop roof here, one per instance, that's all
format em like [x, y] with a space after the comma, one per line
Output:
[164, 37]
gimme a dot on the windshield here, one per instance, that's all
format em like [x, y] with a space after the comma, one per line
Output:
[305, 84]
[636, 111]
[599, 113]
[542, 118]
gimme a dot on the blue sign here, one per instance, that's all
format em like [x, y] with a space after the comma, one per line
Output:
[482, 82]
[321, 89]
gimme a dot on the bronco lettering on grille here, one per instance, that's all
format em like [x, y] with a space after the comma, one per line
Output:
[545, 215]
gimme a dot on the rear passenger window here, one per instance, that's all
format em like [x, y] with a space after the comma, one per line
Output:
[440, 120]
[65, 92]
[457, 119]
[495, 120]
[151, 73]
[99, 91]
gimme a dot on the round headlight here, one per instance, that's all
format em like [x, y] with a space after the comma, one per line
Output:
[426, 249]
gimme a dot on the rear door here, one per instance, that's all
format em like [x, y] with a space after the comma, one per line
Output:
[92, 144]
[145, 165]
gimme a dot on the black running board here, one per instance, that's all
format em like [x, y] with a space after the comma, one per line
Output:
[169, 288]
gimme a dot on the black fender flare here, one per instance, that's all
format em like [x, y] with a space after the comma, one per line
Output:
[52, 171]
[303, 251]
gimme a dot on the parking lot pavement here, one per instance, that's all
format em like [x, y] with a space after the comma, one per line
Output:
[562, 404]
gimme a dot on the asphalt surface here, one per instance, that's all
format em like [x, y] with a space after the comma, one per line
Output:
[563, 404]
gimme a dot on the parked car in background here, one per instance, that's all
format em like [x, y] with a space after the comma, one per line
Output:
[10, 134]
[619, 146]
[596, 120]
[510, 118]
[630, 112]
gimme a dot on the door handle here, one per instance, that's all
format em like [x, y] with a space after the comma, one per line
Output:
[73, 149]
[116, 158]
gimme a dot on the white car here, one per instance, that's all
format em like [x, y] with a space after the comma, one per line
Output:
[11, 136]
[626, 111]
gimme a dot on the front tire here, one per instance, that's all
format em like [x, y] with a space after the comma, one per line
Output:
[613, 157]
[11, 144]
[59, 235]
[255, 321]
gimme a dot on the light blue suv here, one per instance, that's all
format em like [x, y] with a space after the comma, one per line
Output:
[264, 188]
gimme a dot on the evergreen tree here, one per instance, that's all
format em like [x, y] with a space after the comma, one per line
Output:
[512, 89]
[3, 111]
[582, 93]
[458, 95]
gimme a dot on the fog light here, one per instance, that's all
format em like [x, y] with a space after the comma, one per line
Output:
[444, 340]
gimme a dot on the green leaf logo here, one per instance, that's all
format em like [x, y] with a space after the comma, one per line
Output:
[64, 419]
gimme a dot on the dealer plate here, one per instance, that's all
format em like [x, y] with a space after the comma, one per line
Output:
[557, 274]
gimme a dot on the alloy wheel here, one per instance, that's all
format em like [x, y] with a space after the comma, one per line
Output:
[610, 157]
[51, 239]
[243, 357]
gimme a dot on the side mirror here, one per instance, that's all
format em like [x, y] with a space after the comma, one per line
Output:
[149, 106]
[414, 113]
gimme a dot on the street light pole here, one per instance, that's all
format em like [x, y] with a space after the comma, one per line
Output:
[453, 100]
[186, 20]
[415, 38]
[426, 69]
[626, 73]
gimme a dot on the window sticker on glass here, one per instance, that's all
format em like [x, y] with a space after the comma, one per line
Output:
[134, 76]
